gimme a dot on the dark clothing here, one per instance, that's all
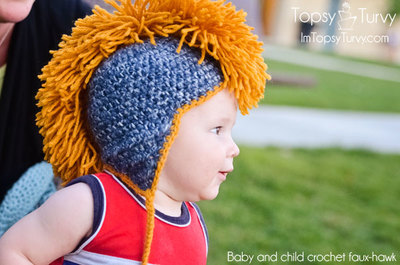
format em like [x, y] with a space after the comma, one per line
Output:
[32, 39]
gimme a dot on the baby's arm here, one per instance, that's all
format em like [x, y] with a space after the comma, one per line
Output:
[53, 230]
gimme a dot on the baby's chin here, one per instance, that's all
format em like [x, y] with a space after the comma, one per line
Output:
[210, 194]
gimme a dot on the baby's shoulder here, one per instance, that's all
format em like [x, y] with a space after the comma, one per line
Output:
[67, 199]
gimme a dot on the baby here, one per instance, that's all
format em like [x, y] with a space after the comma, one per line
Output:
[137, 110]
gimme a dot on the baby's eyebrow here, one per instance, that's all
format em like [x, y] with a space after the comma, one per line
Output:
[226, 120]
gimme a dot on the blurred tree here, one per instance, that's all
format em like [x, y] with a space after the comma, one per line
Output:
[268, 12]
[394, 7]
[334, 6]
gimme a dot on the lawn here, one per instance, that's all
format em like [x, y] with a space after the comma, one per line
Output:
[316, 201]
[333, 90]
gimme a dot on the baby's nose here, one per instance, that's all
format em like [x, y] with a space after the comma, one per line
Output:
[234, 149]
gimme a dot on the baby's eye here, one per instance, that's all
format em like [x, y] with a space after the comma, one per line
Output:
[216, 130]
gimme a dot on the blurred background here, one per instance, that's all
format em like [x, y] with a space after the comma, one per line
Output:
[319, 169]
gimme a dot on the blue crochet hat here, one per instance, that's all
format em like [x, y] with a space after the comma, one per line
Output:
[134, 96]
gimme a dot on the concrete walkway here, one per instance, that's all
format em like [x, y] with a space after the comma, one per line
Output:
[314, 128]
[326, 62]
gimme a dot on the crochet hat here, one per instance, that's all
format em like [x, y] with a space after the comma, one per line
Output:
[134, 96]
[114, 93]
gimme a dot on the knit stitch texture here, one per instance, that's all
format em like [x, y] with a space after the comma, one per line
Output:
[133, 97]
[32, 189]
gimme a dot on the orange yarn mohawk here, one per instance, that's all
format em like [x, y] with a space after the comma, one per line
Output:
[213, 27]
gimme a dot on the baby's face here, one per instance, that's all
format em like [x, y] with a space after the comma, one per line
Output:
[202, 154]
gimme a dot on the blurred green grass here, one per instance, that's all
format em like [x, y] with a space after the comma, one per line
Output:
[333, 90]
[314, 201]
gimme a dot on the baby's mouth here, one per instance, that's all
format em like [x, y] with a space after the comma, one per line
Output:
[223, 174]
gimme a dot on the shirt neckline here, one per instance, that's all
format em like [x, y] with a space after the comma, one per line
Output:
[180, 221]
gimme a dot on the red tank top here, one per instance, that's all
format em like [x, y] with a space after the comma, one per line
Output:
[119, 229]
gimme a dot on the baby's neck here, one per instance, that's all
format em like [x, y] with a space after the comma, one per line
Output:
[167, 205]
